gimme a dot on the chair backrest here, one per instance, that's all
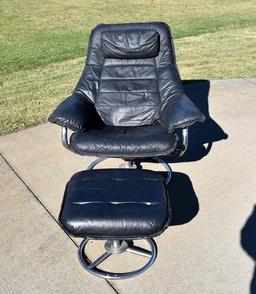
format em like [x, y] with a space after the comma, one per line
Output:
[130, 72]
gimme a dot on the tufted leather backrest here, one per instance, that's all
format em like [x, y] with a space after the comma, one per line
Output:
[130, 72]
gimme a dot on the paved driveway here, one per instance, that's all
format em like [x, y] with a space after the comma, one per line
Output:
[210, 246]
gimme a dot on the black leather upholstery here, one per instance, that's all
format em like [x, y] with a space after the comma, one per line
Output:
[124, 142]
[130, 79]
[130, 44]
[180, 113]
[76, 113]
[115, 203]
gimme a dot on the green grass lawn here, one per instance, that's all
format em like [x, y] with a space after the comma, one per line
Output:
[43, 44]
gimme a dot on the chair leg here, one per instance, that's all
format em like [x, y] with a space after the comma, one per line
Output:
[166, 166]
[116, 247]
[95, 162]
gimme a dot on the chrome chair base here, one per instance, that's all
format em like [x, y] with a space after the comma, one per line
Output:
[116, 247]
[132, 164]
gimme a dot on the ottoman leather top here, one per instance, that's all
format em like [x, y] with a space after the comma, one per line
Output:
[112, 203]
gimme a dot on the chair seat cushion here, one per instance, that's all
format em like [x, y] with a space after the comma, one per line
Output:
[124, 142]
[115, 203]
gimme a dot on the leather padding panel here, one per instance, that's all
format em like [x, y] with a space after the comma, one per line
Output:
[139, 43]
[129, 96]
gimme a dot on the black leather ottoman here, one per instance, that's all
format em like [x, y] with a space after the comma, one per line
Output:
[117, 205]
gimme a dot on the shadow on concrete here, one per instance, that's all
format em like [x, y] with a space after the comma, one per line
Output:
[248, 243]
[203, 135]
[183, 201]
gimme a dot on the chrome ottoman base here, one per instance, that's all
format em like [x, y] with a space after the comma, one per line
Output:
[114, 247]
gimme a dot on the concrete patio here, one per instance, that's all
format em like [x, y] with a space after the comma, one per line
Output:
[208, 248]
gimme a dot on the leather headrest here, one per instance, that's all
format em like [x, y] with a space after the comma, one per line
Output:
[143, 43]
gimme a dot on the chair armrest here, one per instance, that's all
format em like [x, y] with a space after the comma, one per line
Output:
[75, 113]
[179, 112]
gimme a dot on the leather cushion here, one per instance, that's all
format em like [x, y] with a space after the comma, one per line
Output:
[127, 142]
[139, 43]
[113, 203]
[128, 93]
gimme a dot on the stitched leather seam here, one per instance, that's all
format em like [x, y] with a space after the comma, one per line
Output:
[90, 64]
[125, 106]
[160, 50]
[125, 155]
[115, 179]
[128, 92]
[188, 120]
[147, 203]
[157, 114]
[119, 64]
[129, 79]
[92, 80]
[101, 72]
[183, 123]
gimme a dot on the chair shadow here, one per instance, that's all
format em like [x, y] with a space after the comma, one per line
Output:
[248, 243]
[203, 135]
[183, 200]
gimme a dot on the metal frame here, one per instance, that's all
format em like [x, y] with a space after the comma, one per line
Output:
[184, 146]
[116, 247]
[131, 164]
[184, 139]
[64, 137]
[166, 166]
[95, 162]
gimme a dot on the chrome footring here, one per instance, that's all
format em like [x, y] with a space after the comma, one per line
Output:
[116, 247]
[132, 165]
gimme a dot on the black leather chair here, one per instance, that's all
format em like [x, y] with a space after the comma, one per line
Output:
[129, 103]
